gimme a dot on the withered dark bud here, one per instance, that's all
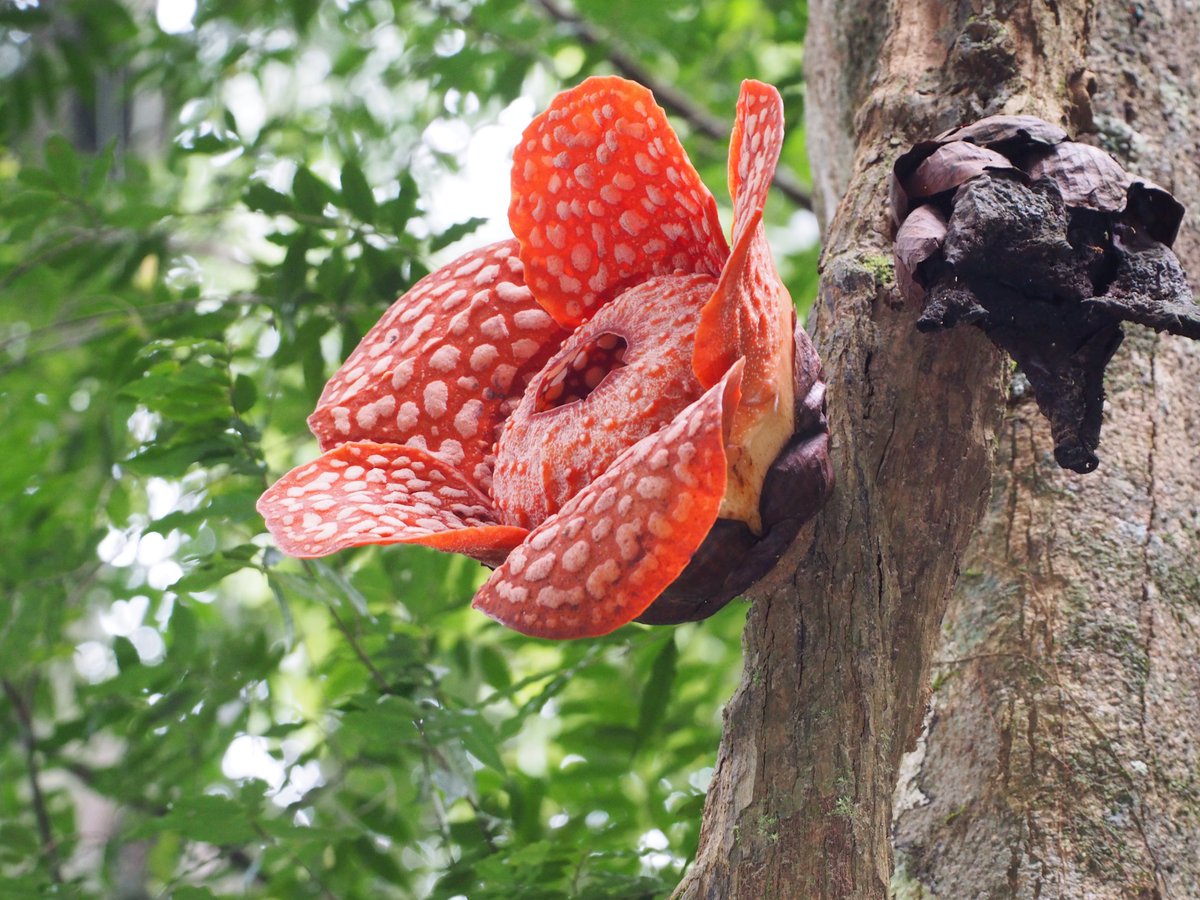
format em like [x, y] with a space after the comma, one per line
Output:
[1047, 245]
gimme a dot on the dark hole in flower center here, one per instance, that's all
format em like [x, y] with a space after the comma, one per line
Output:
[574, 377]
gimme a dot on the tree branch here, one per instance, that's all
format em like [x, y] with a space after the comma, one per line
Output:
[74, 333]
[29, 742]
[376, 676]
[672, 99]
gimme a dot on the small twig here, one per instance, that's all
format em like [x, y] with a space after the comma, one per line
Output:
[150, 312]
[672, 99]
[376, 675]
[23, 268]
[435, 752]
[29, 741]
[579, 867]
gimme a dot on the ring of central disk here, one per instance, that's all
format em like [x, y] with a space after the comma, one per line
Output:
[622, 375]
[573, 378]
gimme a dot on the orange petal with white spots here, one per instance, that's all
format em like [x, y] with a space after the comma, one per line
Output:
[604, 196]
[368, 493]
[750, 314]
[742, 318]
[445, 365]
[611, 550]
[754, 149]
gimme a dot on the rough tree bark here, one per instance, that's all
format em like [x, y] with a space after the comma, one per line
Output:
[1060, 759]
[1062, 756]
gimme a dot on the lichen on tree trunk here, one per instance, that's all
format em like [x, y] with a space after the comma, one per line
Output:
[839, 643]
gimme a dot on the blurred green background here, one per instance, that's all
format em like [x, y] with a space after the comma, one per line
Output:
[203, 206]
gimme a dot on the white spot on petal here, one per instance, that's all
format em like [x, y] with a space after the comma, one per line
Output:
[652, 487]
[532, 319]
[445, 358]
[369, 414]
[402, 374]
[494, 328]
[436, 396]
[483, 356]
[576, 556]
[540, 568]
[466, 423]
[407, 416]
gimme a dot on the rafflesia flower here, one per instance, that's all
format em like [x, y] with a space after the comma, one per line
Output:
[593, 407]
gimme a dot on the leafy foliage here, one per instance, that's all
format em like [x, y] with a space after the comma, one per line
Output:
[195, 228]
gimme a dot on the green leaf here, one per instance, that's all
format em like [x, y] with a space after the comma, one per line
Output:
[495, 668]
[455, 233]
[24, 17]
[39, 178]
[36, 202]
[18, 842]
[656, 692]
[208, 573]
[294, 271]
[357, 193]
[183, 632]
[310, 192]
[245, 393]
[192, 892]
[404, 206]
[63, 164]
[263, 198]
[208, 818]
[127, 655]
[303, 12]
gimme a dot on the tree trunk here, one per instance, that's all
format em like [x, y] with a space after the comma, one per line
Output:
[1065, 669]
[1062, 755]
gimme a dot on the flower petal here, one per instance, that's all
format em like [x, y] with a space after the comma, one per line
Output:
[743, 317]
[604, 197]
[1085, 175]
[368, 493]
[754, 148]
[445, 365]
[612, 549]
[750, 314]
[732, 559]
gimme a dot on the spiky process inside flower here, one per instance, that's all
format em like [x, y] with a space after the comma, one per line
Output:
[592, 408]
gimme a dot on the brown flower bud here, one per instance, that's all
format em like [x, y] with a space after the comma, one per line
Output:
[1047, 245]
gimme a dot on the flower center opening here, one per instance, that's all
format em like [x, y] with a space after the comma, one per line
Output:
[574, 377]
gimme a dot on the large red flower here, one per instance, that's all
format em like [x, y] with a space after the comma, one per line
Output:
[578, 406]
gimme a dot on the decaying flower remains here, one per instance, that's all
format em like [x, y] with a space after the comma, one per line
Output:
[1047, 245]
[615, 410]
